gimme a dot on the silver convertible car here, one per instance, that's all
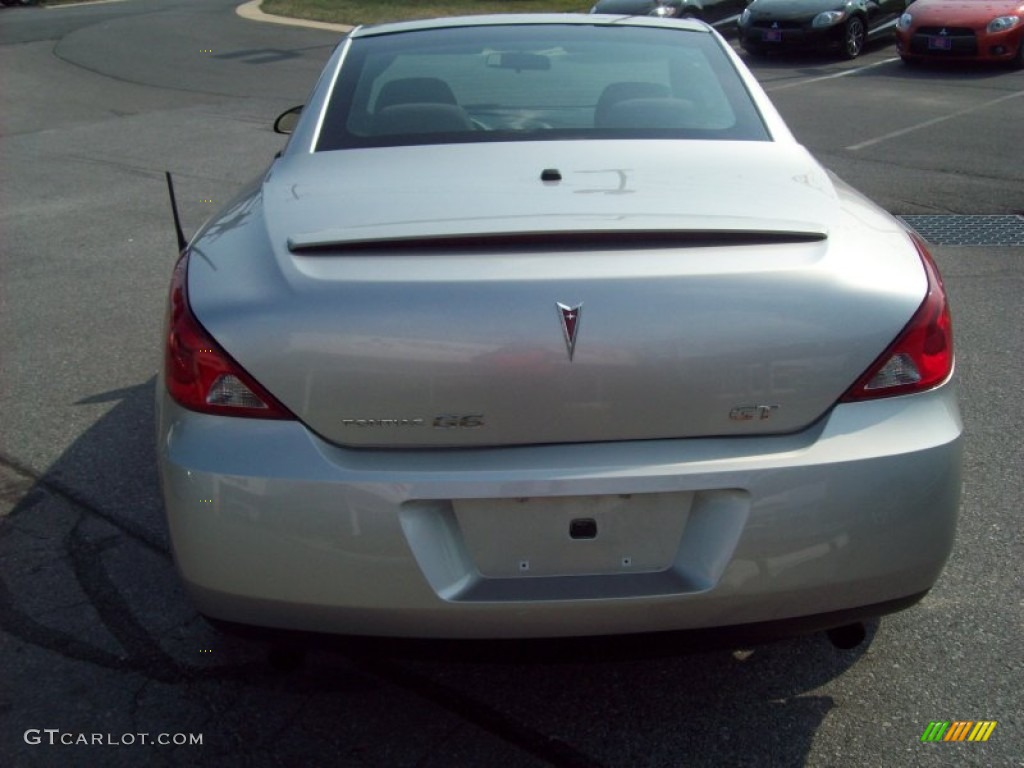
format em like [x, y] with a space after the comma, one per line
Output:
[546, 326]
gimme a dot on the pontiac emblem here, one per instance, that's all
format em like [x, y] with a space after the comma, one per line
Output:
[943, 32]
[570, 317]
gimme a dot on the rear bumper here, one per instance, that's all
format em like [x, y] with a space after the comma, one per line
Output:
[604, 647]
[273, 527]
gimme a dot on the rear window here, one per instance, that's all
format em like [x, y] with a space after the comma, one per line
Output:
[536, 82]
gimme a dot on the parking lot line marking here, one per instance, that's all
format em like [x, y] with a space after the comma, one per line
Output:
[833, 76]
[78, 5]
[933, 121]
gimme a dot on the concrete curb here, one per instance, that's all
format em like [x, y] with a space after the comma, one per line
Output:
[251, 11]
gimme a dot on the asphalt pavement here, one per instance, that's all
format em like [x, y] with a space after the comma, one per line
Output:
[103, 655]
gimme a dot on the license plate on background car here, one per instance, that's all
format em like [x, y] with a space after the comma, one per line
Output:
[773, 35]
[940, 43]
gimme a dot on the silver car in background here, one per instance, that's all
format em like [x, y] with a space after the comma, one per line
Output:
[546, 326]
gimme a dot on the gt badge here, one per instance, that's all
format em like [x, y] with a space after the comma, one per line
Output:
[570, 317]
[752, 412]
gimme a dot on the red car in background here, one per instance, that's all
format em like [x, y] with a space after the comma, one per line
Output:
[976, 30]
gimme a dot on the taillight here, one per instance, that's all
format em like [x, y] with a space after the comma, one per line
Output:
[199, 374]
[922, 355]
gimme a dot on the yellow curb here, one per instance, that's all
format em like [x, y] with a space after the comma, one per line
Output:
[252, 12]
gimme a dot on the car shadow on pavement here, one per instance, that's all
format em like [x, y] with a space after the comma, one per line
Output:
[815, 62]
[965, 72]
[99, 637]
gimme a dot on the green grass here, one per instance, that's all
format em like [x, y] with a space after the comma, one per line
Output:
[373, 11]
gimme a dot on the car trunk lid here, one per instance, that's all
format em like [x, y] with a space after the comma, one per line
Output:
[450, 297]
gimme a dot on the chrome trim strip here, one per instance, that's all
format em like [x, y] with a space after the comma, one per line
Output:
[327, 96]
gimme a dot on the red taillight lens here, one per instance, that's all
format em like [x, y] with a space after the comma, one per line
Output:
[199, 374]
[922, 355]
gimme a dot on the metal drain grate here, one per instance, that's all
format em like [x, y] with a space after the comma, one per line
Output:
[968, 230]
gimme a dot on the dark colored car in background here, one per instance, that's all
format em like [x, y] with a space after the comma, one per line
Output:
[846, 25]
[717, 13]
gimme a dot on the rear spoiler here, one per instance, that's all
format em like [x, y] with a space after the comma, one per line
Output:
[589, 239]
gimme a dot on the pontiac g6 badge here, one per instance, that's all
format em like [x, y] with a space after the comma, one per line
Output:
[570, 317]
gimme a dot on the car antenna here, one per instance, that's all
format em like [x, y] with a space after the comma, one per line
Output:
[182, 242]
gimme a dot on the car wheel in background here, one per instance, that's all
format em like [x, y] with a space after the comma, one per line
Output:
[853, 37]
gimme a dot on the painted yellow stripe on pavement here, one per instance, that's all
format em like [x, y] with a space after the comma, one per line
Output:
[987, 731]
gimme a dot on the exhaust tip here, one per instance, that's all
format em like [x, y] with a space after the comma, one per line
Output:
[847, 636]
